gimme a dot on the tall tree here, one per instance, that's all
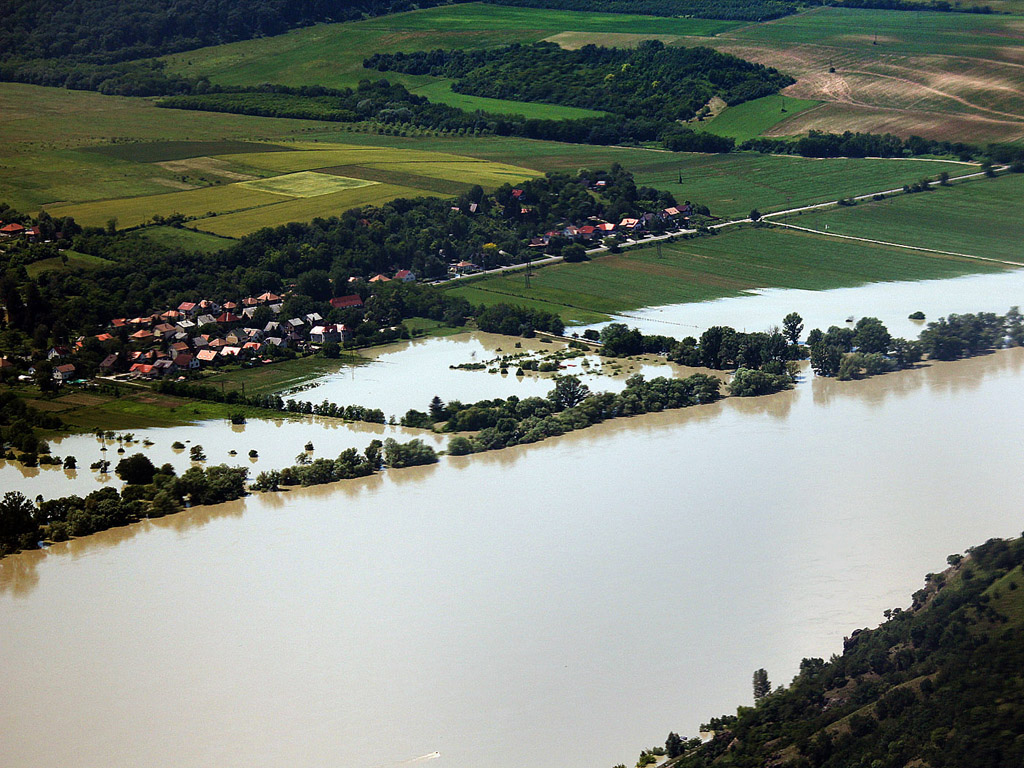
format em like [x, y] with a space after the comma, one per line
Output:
[762, 686]
[792, 327]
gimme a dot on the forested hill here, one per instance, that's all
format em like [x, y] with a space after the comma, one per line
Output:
[120, 30]
[938, 686]
[651, 80]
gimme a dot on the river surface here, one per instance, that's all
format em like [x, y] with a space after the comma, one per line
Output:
[890, 302]
[564, 604]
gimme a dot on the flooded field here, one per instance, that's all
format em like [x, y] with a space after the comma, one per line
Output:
[890, 302]
[562, 604]
[408, 374]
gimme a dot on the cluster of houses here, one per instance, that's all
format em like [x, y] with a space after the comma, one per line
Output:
[198, 334]
[17, 230]
[595, 229]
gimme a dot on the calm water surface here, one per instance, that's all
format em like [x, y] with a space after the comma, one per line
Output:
[891, 302]
[564, 604]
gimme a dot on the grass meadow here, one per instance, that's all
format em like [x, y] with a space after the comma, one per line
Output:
[979, 218]
[709, 268]
[753, 118]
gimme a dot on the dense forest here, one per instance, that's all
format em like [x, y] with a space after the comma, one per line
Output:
[652, 80]
[735, 10]
[739, 10]
[105, 31]
[938, 685]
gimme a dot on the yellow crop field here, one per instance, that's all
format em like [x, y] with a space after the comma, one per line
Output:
[133, 211]
[308, 180]
[305, 184]
[302, 209]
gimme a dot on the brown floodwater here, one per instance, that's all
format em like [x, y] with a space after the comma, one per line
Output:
[563, 604]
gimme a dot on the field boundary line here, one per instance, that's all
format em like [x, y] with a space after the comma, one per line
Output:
[897, 245]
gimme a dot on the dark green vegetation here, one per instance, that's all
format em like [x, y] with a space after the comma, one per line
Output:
[109, 30]
[24, 524]
[939, 685]
[349, 465]
[868, 348]
[652, 80]
[738, 10]
[569, 406]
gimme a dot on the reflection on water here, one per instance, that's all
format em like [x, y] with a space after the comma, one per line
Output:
[536, 592]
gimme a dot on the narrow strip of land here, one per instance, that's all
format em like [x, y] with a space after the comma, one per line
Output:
[826, 233]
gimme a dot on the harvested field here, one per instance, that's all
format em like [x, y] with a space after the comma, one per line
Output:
[170, 151]
[205, 165]
[945, 76]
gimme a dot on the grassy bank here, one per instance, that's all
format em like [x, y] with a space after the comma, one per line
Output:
[711, 268]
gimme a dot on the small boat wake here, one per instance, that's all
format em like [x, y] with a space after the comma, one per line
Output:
[421, 759]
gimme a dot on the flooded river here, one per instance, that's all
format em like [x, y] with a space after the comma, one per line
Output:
[563, 604]
[890, 302]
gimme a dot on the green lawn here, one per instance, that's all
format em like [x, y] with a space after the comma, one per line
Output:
[978, 217]
[185, 239]
[753, 118]
[713, 267]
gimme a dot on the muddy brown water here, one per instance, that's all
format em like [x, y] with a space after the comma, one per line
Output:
[563, 604]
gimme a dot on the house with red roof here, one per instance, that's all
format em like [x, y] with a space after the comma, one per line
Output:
[64, 373]
[352, 301]
[12, 230]
[405, 276]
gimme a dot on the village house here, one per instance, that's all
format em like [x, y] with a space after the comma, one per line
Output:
[57, 352]
[380, 279]
[352, 301]
[206, 320]
[110, 363]
[64, 373]
[188, 308]
[268, 298]
[12, 230]
[206, 355]
[186, 362]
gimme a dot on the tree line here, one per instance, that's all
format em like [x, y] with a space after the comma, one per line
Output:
[652, 80]
[149, 493]
[736, 10]
[120, 30]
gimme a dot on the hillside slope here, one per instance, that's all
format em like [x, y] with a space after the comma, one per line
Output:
[938, 685]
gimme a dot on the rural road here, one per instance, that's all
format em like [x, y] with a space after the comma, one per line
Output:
[631, 243]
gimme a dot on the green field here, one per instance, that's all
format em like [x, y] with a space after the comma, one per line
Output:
[295, 189]
[977, 218]
[266, 379]
[306, 184]
[242, 223]
[753, 118]
[76, 262]
[332, 54]
[185, 239]
[76, 146]
[710, 268]
[729, 184]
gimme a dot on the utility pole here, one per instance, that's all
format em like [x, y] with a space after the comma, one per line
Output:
[529, 267]
[659, 249]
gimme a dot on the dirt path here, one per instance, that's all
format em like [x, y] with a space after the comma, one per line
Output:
[898, 245]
